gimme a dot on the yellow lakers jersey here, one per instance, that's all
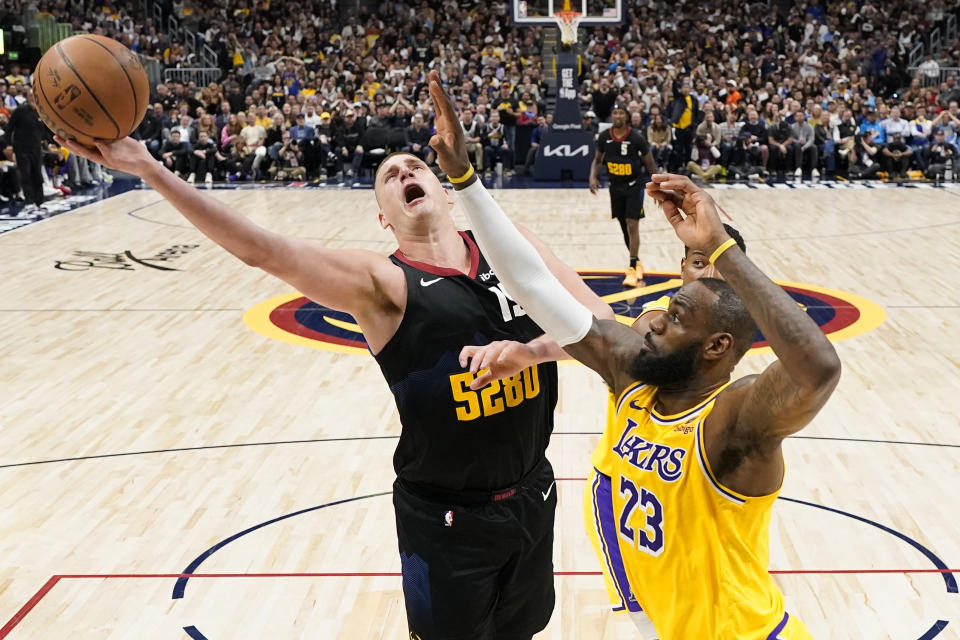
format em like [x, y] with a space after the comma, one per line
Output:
[695, 552]
[598, 460]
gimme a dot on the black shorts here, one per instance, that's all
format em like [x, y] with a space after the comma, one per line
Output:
[626, 199]
[478, 571]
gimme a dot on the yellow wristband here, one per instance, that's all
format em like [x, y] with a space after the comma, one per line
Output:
[719, 250]
[462, 178]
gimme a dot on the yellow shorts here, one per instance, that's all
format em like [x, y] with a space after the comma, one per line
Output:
[601, 527]
[790, 628]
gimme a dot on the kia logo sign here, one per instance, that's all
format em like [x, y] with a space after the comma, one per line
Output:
[565, 151]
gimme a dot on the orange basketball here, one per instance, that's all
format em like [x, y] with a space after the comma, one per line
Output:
[88, 87]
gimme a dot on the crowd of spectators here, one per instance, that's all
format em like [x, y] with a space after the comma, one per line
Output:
[720, 89]
[33, 166]
[823, 89]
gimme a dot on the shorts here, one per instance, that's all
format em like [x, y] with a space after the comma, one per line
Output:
[478, 571]
[601, 524]
[602, 529]
[626, 199]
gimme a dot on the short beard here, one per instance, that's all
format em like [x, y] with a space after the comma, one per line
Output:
[669, 370]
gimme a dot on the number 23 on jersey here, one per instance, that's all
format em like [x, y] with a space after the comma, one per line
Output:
[641, 521]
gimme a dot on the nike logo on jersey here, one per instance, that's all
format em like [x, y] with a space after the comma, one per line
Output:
[546, 494]
[427, 283]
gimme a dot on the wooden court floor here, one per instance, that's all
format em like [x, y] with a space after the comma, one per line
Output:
[147, 432]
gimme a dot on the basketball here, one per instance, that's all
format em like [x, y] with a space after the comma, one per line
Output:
[89, 87]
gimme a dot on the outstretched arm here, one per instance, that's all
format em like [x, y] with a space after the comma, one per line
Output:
[518, 265]
[568, 277]
[504, 358]
[359, 282]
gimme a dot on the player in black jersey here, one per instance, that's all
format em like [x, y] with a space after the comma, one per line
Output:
[474, 495]
[624, 149]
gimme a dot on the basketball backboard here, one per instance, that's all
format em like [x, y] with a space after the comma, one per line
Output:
[541, 11]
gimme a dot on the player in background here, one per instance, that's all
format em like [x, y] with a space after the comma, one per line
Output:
[625, 151]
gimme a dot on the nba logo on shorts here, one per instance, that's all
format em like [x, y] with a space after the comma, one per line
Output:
[448, 519]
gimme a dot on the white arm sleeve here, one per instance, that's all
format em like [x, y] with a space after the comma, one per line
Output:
[521, 269]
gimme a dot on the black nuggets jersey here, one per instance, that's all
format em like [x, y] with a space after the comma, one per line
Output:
[623, 156]
[453, 438]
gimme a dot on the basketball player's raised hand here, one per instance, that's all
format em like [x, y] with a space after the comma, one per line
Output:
[448, 140]
[690, 210]
[125, 154]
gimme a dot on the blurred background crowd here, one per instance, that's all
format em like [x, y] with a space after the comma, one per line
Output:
[724, 90]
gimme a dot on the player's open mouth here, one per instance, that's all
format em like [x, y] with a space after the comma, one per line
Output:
[413, 192]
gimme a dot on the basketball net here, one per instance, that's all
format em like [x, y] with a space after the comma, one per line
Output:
[568, 21]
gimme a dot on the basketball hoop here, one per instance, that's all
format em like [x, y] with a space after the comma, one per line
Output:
[568, 21]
